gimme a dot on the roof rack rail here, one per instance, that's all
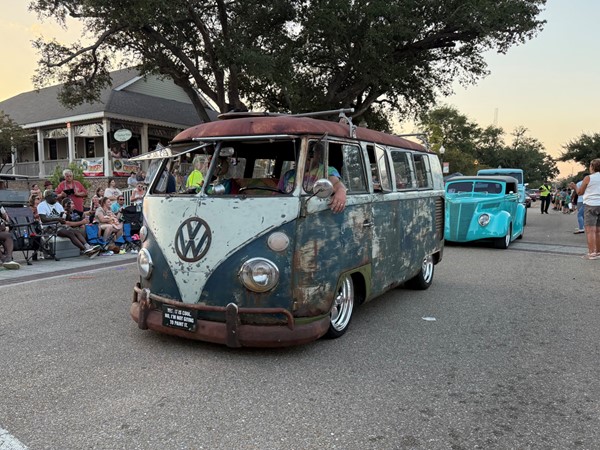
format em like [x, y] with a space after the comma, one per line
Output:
[340, 112]
[421, 136]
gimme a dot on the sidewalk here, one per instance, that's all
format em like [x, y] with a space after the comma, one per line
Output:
[46, 268]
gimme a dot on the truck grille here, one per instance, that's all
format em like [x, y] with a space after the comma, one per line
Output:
[460, 215]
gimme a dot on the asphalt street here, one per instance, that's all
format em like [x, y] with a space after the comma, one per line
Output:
[512, 360]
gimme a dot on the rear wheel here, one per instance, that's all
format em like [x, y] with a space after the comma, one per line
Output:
[341, 310]
[424, 278]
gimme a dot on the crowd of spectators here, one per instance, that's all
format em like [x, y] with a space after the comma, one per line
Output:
[65, 212]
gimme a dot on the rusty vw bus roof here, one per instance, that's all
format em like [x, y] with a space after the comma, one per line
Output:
[281, 125]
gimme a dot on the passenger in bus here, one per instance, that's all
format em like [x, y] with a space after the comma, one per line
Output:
[195, 179]
[338, 199]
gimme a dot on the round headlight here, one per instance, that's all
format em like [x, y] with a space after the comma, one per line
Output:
[278, 241]
[259, 274]
[484, 219]
[143, 233]
[144, 261]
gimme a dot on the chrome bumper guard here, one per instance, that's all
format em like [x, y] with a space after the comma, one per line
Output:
[145, 303]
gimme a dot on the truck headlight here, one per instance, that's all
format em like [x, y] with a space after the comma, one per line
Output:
[145, 265]
[484, 219]
[259, 274]
[143, 233]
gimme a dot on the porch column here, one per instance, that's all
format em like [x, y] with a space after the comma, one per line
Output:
[40, 143]
[71, 141]
[106, 131]
[144, 136]
[13, 157]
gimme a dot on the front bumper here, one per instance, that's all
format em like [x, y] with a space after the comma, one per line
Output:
[146, 311]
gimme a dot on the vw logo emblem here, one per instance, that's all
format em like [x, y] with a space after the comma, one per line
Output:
[192, 239]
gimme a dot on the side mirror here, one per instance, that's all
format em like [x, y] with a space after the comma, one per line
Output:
[226, 152]
[323, 188]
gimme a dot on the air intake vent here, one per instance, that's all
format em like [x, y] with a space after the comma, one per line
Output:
[439, 218]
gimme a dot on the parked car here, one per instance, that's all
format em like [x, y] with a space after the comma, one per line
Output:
[528, 200]
[534, 194]
[484, 208]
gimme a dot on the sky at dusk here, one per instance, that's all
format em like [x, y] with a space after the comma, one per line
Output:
[549, 85]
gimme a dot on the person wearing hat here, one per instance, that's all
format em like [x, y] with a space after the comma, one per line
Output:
[47, 188]
[51, 213]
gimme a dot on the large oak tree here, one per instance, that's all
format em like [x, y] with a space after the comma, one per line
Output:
[469, 148]
[288, 55]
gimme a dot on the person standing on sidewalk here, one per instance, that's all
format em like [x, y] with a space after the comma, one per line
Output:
[545, 190]
[580, 209]
[590, 190]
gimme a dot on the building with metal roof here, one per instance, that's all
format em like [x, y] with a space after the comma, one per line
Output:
[131, 117]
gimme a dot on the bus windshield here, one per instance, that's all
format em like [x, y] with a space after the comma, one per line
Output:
[252, 168]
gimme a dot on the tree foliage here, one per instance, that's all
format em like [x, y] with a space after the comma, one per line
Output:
[377, 56]
[469, 148]
[12, 138]
[57, 175]
[583, 149]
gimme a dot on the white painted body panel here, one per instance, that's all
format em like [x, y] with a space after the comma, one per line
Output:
[233, 223]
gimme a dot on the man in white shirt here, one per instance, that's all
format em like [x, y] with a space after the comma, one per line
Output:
[132, 181]
[52, 214]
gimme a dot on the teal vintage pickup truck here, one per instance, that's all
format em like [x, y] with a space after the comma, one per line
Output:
[483, 208]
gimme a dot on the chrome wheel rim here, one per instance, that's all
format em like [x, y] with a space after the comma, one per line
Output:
[427, 269]
[341, 311]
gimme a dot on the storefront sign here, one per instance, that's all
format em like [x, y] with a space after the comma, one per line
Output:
[124, 167]
[93, 167]
[123, 135]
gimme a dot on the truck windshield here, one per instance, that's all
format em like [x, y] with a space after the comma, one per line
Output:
[478, 187]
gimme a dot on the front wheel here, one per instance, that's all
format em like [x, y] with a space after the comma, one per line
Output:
[424, 278]
[341, 310]
[504, 242]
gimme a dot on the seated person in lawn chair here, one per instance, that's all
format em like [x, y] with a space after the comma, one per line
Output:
[53, 214]
[111, 226]
[6, 241]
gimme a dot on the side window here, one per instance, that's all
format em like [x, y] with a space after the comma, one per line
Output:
[354, 172]
[422, 171]
[263, 168]
[382, 166]
[402, 169]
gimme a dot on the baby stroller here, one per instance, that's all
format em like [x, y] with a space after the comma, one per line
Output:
[132, 223]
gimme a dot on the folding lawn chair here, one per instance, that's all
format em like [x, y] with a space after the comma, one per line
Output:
[28, 236]
[93, 236]
[132, 216]
[132, 241]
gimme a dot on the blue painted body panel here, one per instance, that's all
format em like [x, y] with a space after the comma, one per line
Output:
[463, 211]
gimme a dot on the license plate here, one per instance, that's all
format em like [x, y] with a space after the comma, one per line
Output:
[179, 318]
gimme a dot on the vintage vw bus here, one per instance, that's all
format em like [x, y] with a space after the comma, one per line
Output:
[246, 260]
[483, 207]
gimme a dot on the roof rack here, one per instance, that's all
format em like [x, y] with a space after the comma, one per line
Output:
[340, 112]
[421, 136]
